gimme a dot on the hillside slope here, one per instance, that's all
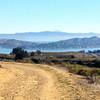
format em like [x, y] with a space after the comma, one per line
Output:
[42, 82]
[74, 43]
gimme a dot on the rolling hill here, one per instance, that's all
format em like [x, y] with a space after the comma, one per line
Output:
[92, 42]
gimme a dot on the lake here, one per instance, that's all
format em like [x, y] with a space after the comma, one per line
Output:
[7, 51]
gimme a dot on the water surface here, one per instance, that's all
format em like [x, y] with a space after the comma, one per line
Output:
[7, 50]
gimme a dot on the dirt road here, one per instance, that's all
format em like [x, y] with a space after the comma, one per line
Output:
[42, 82]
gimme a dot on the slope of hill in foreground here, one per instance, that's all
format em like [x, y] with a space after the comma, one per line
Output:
[42, 82]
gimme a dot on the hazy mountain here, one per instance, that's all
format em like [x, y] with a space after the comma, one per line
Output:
[12, 43]
[92, 42]
[46, 36]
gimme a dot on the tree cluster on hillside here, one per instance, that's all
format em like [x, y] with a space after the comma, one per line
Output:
[19, 53]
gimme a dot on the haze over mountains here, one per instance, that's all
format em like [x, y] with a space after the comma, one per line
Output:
[46, 36]
[49, 41]
[75, 43]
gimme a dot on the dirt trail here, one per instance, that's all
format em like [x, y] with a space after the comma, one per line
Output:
[26, 82]
[41, 82]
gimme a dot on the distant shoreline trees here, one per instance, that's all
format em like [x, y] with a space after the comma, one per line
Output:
[20, 53]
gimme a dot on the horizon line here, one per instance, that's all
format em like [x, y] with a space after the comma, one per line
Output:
[47, 31]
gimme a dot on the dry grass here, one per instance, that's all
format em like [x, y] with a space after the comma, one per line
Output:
[19, 81]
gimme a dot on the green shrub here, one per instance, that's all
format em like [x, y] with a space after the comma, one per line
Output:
[90, 73]
[37, 61]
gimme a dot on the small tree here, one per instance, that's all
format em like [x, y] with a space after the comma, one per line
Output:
[19, 53]
[38, 52]
[32, 53]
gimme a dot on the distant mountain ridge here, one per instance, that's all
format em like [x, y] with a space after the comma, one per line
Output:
[46, 36]
[92, 42]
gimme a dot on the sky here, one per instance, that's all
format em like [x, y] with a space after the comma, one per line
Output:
[49, 15]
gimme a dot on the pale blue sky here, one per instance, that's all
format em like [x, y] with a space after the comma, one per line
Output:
[49, 15]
